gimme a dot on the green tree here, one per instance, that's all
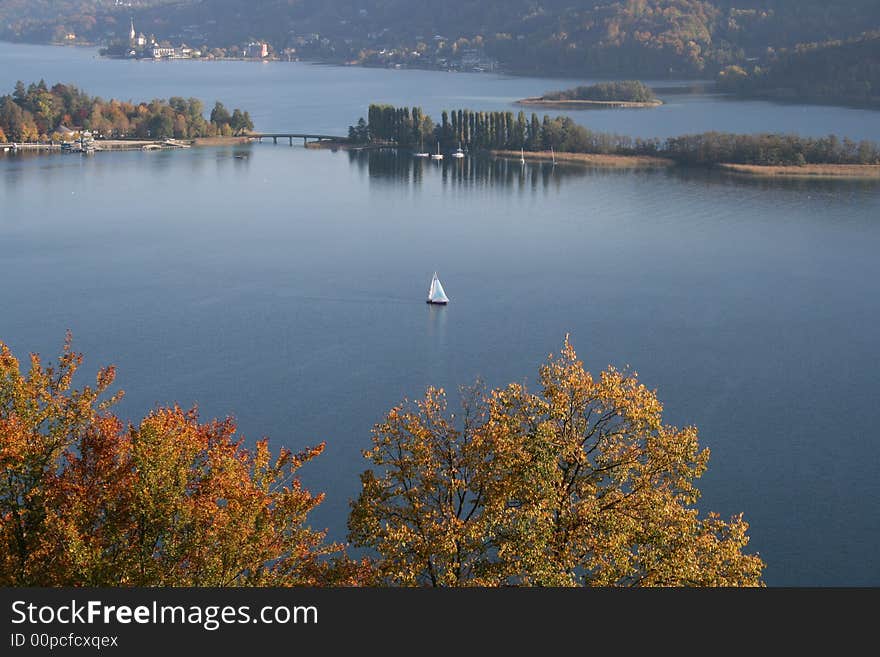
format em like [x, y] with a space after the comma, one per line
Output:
[220, 115]
[20, 93]
[161, 125]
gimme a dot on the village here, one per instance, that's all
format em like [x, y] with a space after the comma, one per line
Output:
[140, 46]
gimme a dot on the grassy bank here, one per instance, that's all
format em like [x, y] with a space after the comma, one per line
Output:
[856, 171]
[592, 159]
[220, 141]
[333, 145]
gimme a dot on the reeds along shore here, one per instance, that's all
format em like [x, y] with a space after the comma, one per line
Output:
[850, 171]
[859, 171]
[594, 159]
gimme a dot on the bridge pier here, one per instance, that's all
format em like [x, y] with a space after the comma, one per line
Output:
[274, 140]
[290, 140]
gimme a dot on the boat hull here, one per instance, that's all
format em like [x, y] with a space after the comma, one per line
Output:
[436, 303]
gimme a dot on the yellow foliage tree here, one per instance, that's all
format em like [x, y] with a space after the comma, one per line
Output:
[579, 484]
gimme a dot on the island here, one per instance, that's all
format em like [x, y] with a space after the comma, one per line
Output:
[625, 94]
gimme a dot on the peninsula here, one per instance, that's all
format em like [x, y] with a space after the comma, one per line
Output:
[37, 116]
[560, 139]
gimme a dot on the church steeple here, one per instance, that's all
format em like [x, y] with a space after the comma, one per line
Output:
[131, 33]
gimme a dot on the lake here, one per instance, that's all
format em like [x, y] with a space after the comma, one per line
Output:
[287, 287]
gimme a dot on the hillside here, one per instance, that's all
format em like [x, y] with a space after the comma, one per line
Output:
[628, 38]
[835, 71]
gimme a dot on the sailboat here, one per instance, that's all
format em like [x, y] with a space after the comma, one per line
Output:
[522, 156]
[422, 152]
[553, 155]
[436, 294]
[438, 155]
[458, 153]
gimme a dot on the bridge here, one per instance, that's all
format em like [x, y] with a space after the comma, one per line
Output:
[290, 136]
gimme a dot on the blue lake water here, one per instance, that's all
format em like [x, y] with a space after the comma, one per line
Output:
[287, 287]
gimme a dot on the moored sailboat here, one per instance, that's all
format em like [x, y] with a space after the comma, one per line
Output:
[438, 155]
[436, 294]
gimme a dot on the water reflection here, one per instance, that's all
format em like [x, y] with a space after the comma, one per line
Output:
[483, 171]
[437, 347]
[473, 172]
[437, 322]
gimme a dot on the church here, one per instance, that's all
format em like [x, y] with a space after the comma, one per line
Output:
[136, 40]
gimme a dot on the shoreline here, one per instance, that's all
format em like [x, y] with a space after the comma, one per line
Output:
[221, 141]
[868, 172]
[813, 171]
[589, 104]
[130, 144]
[592, 159]
[331, 145]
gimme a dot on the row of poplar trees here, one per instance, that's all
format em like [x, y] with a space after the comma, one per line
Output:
[411, 127]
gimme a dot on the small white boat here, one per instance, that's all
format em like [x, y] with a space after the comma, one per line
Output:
[438, 155]
[436, 295]
[458, 154]
[422, 152]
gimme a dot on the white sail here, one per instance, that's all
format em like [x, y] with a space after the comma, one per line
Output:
[436, 294]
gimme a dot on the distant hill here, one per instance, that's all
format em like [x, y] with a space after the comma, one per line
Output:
[834, 71]
[595, 38]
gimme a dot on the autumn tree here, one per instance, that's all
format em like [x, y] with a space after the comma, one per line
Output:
[173, 501]
[580, 483]
[41, 420]
[36, 112]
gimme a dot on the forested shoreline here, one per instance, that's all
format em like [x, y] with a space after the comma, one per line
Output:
[39, 113]
[837, 72]
[485, 131]
[632, 38]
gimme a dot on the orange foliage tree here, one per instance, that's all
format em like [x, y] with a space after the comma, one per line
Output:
[580, 483]
[86, 500]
